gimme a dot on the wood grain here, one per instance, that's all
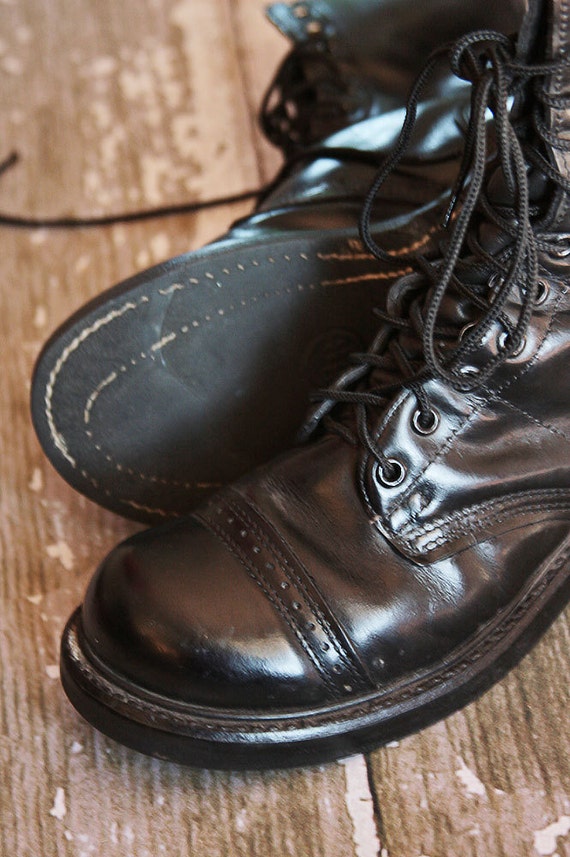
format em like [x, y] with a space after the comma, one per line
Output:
[119, 106]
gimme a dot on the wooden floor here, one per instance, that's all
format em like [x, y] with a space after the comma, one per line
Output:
[123, 105]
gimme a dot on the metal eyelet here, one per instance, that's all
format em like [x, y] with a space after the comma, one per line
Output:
[395, 477]
[543, 292]
[420, 427]
[469, 370]
[503, 341]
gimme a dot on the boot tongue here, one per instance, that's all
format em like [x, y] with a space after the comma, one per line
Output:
[493, 239]
[545, 37]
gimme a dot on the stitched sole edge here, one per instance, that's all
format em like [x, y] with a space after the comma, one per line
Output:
[217, 739]
[152, 498]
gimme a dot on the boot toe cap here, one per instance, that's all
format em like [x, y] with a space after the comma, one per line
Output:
[172, 611]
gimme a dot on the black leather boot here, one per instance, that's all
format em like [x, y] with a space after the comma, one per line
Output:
[182, 378]
[393, 568]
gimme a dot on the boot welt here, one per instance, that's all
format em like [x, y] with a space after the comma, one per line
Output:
[242, 740]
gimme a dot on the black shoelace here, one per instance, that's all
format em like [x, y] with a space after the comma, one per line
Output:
[418, 344]
[307, 100]
[78, 222]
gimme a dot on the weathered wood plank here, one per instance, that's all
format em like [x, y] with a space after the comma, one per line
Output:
[492, 778]
[123, 106]
[115, 107]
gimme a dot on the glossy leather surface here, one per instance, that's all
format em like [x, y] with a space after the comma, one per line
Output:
[311, 581]
[137, 399]
[378, 48]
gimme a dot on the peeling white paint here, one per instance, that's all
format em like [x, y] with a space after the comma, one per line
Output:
[136, 84]
[160, 246]
[101, 67]
[52, 671]
[40, 317]
[59, 809]
[545, 840]
[76, 747]
[36, 483]
[128, 834]
[111, 147]
[102, 114]
[471, 782]
[62, 552]
[119, 236]
[35, 599]
[17, 116]
[360, 807]
[184, 135]
[38, 236]
[24, 35]
[13, 65]
[82, 264]
[143, 259]
[155, 169]
[240, 820]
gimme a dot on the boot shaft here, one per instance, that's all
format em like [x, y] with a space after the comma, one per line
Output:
[545, 39]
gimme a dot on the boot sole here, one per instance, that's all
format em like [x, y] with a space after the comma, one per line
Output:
[182, 378]
[218, 739]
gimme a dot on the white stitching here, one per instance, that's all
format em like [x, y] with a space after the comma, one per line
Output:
[58, 439]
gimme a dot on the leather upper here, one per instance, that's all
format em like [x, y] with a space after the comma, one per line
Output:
[377, 49]
[310, 581]
[317, 578]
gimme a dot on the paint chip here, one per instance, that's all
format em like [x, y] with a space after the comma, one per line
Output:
[13, 65]
[471, 782]
[160, 246]
[58, 809]
[360, 806]
[38, 236]
[35, 599]
[40, 317]
[52, 671]
[36, 483]
[82, 263]
[545, 840]
[62, 552]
